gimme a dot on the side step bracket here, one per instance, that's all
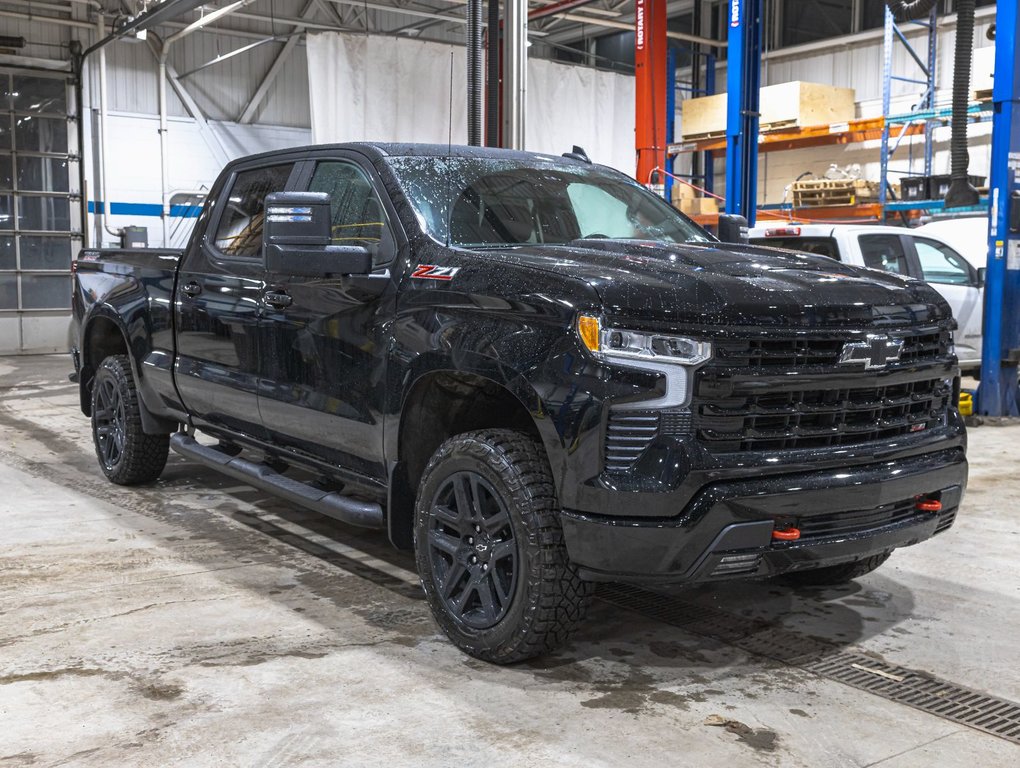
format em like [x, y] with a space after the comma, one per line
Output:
[364, 514]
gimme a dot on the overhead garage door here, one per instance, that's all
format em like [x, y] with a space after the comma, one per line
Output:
[40, 218]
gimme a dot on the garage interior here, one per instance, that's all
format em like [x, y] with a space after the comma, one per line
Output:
[199, 621]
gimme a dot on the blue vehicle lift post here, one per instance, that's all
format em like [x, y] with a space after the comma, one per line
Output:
[743, 78]
[1000, 351]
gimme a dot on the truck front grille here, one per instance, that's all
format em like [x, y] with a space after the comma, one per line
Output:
[629, 433]
[818, 418]
[919, 345]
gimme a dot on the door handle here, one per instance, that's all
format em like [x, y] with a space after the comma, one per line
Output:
[192, 289]
[277, 299]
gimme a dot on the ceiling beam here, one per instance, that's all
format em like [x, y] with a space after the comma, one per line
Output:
[274, 69]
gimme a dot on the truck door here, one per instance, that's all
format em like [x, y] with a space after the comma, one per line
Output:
[324, 341]
[953, 276]
[219, 290]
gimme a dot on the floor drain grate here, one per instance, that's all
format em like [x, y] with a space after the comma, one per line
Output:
[998, 717]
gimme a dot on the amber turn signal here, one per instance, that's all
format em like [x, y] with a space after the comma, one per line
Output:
[588, 330]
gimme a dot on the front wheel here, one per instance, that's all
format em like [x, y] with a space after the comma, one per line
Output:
[126, 454]
[490, 550]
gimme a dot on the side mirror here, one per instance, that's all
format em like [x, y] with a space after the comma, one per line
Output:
[982, 276]
[296, 236]
[733, 228]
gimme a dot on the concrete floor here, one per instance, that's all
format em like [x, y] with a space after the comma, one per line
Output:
[201, 623]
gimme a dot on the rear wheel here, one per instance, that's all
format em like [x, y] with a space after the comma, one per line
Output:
[126, 454]
[836, 574]
[490, 550]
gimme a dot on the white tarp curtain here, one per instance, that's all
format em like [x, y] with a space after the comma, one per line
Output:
[367, 87]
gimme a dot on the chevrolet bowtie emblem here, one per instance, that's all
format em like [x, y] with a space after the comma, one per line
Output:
[877, 352]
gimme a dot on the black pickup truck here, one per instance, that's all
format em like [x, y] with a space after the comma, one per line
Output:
[533, 372]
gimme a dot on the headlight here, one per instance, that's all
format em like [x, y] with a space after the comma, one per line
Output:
[625, 344]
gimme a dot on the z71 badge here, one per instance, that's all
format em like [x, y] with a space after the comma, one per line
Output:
[433, 272]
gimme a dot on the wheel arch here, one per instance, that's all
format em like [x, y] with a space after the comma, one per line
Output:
[445, 402]
[104, 335]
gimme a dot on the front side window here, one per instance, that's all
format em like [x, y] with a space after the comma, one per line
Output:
[484, 202]
[240, 231]
[357, 215]
[884, 252]
[941, 264]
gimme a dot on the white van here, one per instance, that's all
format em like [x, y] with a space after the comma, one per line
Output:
[913, 252]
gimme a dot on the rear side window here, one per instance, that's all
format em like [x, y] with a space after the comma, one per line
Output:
[239, 233]
[884, 252]
[941, 264]
[821, 246]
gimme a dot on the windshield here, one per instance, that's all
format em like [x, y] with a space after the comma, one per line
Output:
[495, 202]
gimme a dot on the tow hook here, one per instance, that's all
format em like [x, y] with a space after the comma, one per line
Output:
[786, 534]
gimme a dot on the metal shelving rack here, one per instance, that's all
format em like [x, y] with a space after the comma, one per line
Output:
[890, 129]
[674, 86]
[926, 105]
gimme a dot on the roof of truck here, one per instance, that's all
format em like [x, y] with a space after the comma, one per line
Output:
[378, 150]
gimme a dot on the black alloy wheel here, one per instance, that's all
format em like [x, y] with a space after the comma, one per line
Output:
[127, 455]
[472, 550]
[110, 423]
[490, 550]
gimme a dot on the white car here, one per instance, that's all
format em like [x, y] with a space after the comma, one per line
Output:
[967, 235]
[915, 252]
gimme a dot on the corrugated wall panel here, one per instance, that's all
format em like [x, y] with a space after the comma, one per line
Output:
[287, 101]
[45, 41]
[131, 80]
[222, 89]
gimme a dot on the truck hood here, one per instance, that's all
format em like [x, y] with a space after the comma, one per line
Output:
[725, 284]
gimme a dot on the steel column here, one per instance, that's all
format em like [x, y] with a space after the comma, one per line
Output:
[1000, 351]
[743, 79]
[515, 72]
[650, 114]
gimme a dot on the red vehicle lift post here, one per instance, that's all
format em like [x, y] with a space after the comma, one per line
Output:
[650, 87]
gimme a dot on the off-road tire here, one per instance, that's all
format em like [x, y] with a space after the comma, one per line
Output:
[548, 600]
[836, 574]
[126, 454]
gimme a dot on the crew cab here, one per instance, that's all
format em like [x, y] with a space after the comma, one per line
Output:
[531, 371]
[922, 254]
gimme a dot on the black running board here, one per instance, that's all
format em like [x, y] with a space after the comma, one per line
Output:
[364, 514]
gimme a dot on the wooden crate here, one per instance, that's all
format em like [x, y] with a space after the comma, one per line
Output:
[812, 193]
[786, 105]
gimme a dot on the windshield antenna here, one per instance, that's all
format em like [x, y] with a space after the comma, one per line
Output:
[449, 153]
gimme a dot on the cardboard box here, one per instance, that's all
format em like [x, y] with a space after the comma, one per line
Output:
[680, 192]
[699, 206]
[785, 105]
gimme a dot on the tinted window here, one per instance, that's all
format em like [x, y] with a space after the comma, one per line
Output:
[240, 229]
[493, 202]
[357, 215]
[941, 264]
[884, 252]
[822, 246]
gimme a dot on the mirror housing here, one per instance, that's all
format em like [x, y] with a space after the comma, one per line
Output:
[982, 276]
[732, 228]
[296, 236]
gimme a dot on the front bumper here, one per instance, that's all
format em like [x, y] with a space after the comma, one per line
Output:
[726, 529]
